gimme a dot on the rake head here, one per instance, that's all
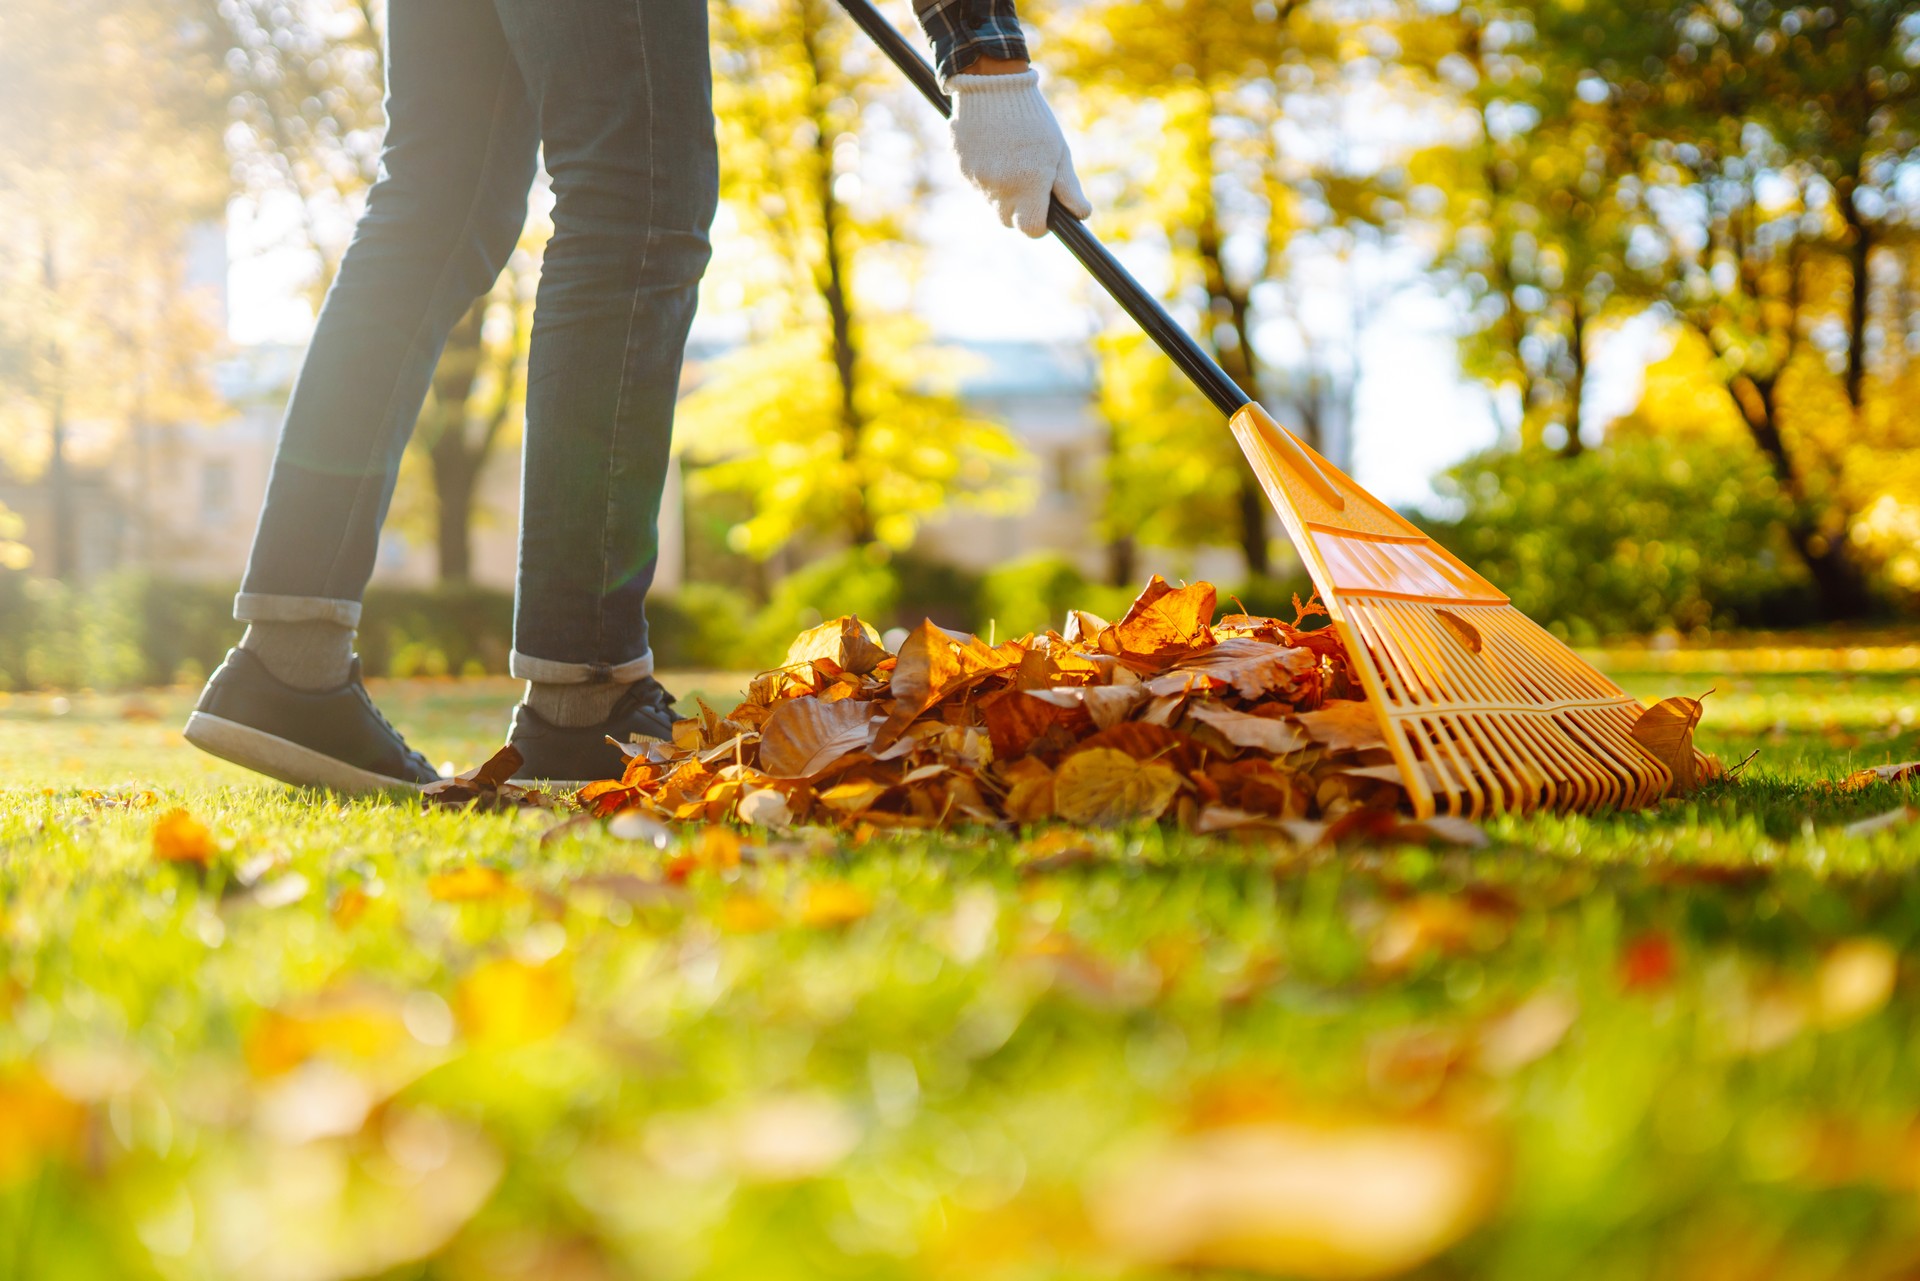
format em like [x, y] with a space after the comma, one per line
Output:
[1483, 709]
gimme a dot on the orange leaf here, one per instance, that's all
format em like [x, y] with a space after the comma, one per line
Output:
[804, 736]
[1666, 731]
[849, 643]
[831, 903]
[1164, 622]
[1104, 786]
[179, 837]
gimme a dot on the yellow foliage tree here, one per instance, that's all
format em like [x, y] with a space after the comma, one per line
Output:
[827, 419]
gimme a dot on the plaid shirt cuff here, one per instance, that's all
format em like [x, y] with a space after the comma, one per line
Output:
[963, 31]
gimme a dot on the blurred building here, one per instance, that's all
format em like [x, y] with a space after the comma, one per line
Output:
[182, 499]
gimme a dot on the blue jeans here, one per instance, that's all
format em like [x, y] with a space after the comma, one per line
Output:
[619, 93]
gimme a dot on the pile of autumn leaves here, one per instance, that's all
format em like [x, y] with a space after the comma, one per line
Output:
[1247, 721]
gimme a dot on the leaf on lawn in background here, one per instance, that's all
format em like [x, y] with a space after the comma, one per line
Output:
[1882, 774]
[179, 837]
[1666, 731]
[504, 1002]
[747, 914]
[851, 645]
[1343, 725]
[804, 736]
[1164, 622]
[1648, 962]
[1264, 733]
[1103, 786]
[1302, 1200]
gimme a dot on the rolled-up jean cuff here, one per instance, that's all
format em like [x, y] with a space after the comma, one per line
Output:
[548, 672]
[254, 607]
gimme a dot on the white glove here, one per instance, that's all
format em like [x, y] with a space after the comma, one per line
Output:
[1011, 148]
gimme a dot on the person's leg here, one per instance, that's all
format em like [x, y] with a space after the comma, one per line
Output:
[459, 156]
[624, 95]
[458, 159]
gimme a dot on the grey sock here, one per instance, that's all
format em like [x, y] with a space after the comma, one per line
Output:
[570, 706]
[309, 655]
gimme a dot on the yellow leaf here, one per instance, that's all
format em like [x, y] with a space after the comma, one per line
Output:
[746, 914]
[850, 643]
[1104, 786]
[469, 884]
[853, 798]
[179, 837]
[830, 903]
[505, 1002]
[1666, 731]
[40, 1123]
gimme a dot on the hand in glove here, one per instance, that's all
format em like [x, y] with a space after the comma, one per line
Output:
[1011, 147]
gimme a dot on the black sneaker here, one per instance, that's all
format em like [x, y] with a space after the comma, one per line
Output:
[328, 738]
[581, 754]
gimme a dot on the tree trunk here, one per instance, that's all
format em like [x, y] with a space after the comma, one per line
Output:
[455, 477]
[1577, 384]
[1828, 557]
[1239, 364]
[1859, 297]
[831, 279]
[66, 541]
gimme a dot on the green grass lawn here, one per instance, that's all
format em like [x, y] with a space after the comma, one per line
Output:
[368, 1041]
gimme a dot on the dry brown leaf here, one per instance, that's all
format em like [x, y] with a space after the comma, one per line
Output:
[1882, 774]
[1666, 731]
[849, 643]
[1343, 725]
[1266, 734]
[804, 736]
[1251, 668]
[1164, 622]
[1104, 786]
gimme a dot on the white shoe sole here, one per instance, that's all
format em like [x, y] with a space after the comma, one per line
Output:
[276, 757]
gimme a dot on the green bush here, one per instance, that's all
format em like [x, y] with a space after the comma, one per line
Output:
[1639, 535]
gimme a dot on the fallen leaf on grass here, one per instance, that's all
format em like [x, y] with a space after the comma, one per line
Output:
[1295, 1199]
[1666, 731]
[1266, 733]
[179, 837]
[41, 1124]
[1900, 773]
[505, 1002]
[485, 787]
[1104, 787]
[849, 643]
[1648, 962]
[832, 903]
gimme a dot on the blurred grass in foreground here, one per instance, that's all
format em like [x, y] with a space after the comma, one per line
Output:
[369, 1041]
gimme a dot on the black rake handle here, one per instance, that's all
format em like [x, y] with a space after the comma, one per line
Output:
[1145, 309]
